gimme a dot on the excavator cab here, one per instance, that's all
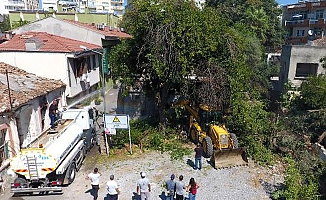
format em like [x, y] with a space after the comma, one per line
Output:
[207, 117]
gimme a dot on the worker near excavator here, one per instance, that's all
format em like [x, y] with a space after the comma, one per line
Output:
[198, 157]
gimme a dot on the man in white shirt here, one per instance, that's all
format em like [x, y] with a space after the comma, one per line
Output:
[95, 182]
[113, 189]
[143, 187]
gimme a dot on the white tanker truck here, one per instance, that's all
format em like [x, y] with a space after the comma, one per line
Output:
[52, 159]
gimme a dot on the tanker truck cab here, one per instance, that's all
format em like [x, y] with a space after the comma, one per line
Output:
[53, 159]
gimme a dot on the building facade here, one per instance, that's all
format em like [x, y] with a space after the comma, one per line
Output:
[58, 58]
[304, 22]
[298, 62]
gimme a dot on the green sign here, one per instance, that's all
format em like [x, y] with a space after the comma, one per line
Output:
[105, 60]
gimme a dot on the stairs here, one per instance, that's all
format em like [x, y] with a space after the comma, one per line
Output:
[32, 168]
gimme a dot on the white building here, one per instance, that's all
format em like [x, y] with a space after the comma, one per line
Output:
[11, 5]
[58, 58]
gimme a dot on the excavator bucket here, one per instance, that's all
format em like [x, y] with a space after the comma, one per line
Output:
[229, 158]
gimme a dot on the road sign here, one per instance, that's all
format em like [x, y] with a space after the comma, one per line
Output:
[117, 121]
[110, 131]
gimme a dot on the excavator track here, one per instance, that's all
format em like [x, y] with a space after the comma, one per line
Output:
[227, 158]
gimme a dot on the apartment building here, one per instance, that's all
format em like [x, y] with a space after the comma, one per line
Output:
[115, 7]
[304, 21]
[10, 5]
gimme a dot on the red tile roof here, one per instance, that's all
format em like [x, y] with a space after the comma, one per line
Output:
[23, 86]
[319, 42]
[107, 32]
[48, 43]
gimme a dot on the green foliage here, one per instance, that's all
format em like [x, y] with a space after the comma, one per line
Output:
[5, 25]
[261, 16]
[19, 23]
[297, 186]
[313, 92]
[152, 138]
[258, 151]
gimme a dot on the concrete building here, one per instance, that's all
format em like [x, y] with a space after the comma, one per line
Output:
[10, 5]
[298, 62]
[58, 58]
[304, 21]
[23, 110]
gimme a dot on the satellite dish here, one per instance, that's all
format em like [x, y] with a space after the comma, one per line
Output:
[1, 18]
[310, 32]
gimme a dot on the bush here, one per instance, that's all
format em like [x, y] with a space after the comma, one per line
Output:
[297, 186]
[258, 151]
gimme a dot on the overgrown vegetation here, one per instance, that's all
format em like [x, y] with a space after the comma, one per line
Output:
[216, 56]
[146, 135]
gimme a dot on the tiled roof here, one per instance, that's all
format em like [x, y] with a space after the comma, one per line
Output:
[47, 43]
[319, 42]
[107, 32]
[23, 86]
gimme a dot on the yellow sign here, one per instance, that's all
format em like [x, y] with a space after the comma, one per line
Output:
[116, 119]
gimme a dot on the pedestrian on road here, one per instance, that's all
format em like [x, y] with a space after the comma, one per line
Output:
[198, 155]
[143, 187]
[179, 188]
[170, 187]
[192, 189]
[95, 181]
[53, 111]
[113, 189]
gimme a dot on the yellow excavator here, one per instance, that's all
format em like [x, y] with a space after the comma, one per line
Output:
[207, 128]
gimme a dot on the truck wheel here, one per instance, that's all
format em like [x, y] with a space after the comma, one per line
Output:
[21, 181]
[71, 173]
[194, 135]
[235, 140]
[207, 147]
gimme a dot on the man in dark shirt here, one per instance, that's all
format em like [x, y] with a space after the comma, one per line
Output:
[198, 155]
[53, 110]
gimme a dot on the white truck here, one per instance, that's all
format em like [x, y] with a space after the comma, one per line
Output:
[52, 159]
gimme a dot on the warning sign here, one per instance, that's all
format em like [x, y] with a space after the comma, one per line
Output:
[116, 121]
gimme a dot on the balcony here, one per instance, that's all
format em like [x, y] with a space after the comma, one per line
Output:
[117, 7]
[295, 23]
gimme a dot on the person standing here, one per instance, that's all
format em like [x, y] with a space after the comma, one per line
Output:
[198, 155]
[143, 187]
[53, 111]
[179, 188]
[95, 181]
[192, 189]
[113, 189]
[170, 187]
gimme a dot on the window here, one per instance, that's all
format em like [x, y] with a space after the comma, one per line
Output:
[300, 32]
[304, 70]
[3, 146]
[319, 14]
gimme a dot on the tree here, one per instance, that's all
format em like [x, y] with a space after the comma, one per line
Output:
[175, 40]
[260, 15]
[5, 24]
[313, 92]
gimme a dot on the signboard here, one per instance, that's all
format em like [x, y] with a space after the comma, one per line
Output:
[105, 62]
[110, 131]
[116, 121]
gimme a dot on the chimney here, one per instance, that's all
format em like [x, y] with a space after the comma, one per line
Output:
[9, 35]
[33, 44]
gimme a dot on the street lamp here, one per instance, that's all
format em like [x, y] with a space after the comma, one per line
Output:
[103, 89]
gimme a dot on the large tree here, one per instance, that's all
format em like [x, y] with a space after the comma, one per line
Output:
[174, 40]
[262, 16]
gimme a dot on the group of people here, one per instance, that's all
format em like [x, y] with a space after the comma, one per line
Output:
[174, 188]
[111, 185]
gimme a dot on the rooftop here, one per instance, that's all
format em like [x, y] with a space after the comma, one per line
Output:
[23, 86]
[45, 42]
[113, 32]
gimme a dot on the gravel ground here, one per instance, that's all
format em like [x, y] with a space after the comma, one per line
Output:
[246, 182]
[250, 182]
